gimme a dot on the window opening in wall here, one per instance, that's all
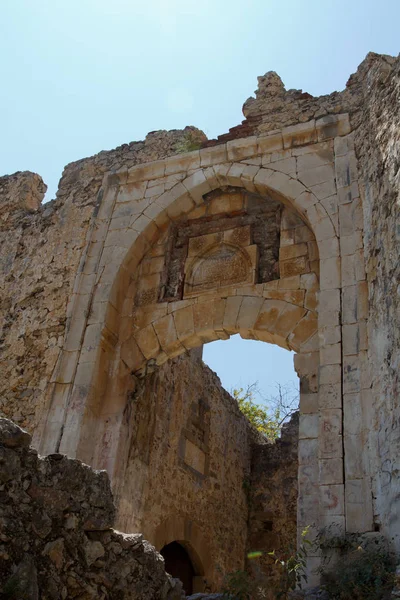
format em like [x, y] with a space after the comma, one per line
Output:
[260, 376]
[179, 565]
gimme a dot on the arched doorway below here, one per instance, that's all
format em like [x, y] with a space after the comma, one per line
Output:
[179, 565]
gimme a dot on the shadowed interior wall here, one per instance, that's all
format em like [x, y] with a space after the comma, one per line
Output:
[188, 459]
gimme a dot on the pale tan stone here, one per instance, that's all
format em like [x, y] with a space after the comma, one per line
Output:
[203, 319]
[330, 395]
[287, 165]
[344, 144]
[313, 253]
[306, 200]
[359, 515]
[288, 283]
[330, 273]
[184, 323]
[231, 313]
[241, 236]
[198, 212]
[180, 206]
[317, 175]
[256, 289]
[247, 177]
[331, 355]
[346, 169]
[349, 304]
[196, 185]
[218, 313]
[65, 368]
[359, 265]
[361, 293]
[351, 374]
[242, 148]
[213, 156]
[147, 341]
[329, 307]
[332, 499]
[294, 266]
[349, 244]
[155, 191]
[302, 234]
[328, 248]
[331, 126]
[132, 356]
[293, 251]
[269, 143]
[308, 403]
[131, 192]
[309, 281]
[235, 174]
[268, 314]
[226, 203]
[351, 339]
[291, 296]
[197, 245]
[299, 135]
[311, 300]
[288, 319]
[316, 157]
[303, 331]
[308, 426]
[330, 471]
[281, 155]
[308, 451]
[329, 374]
[182, 162]
[283, 184]
[324, 190]
[221, 173]
[248, 313]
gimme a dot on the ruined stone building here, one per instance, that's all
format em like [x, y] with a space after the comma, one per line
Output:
[284, 230]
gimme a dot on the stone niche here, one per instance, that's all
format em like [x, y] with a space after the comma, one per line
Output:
[233, 239]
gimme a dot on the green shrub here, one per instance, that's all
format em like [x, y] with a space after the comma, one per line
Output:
[192, 140]
[360, 574]
[238, 586]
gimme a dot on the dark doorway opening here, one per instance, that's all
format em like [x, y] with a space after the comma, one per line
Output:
[178, 564]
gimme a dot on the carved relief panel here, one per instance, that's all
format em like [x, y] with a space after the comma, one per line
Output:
[220, 259]
[233, 241]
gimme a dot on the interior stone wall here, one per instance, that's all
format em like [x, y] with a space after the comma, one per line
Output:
[188, 459]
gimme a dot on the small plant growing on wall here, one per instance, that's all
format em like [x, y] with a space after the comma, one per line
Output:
[192, 140]
[241, 585]
[293, 565]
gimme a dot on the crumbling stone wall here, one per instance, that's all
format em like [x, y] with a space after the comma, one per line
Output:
[56, 536]
[41, 250]
[377, 144]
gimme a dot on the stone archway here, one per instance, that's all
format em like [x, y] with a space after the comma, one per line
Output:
[164, 318]
[308, 169]
[188, 535]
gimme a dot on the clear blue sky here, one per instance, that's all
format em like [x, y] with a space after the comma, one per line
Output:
[80, 76]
